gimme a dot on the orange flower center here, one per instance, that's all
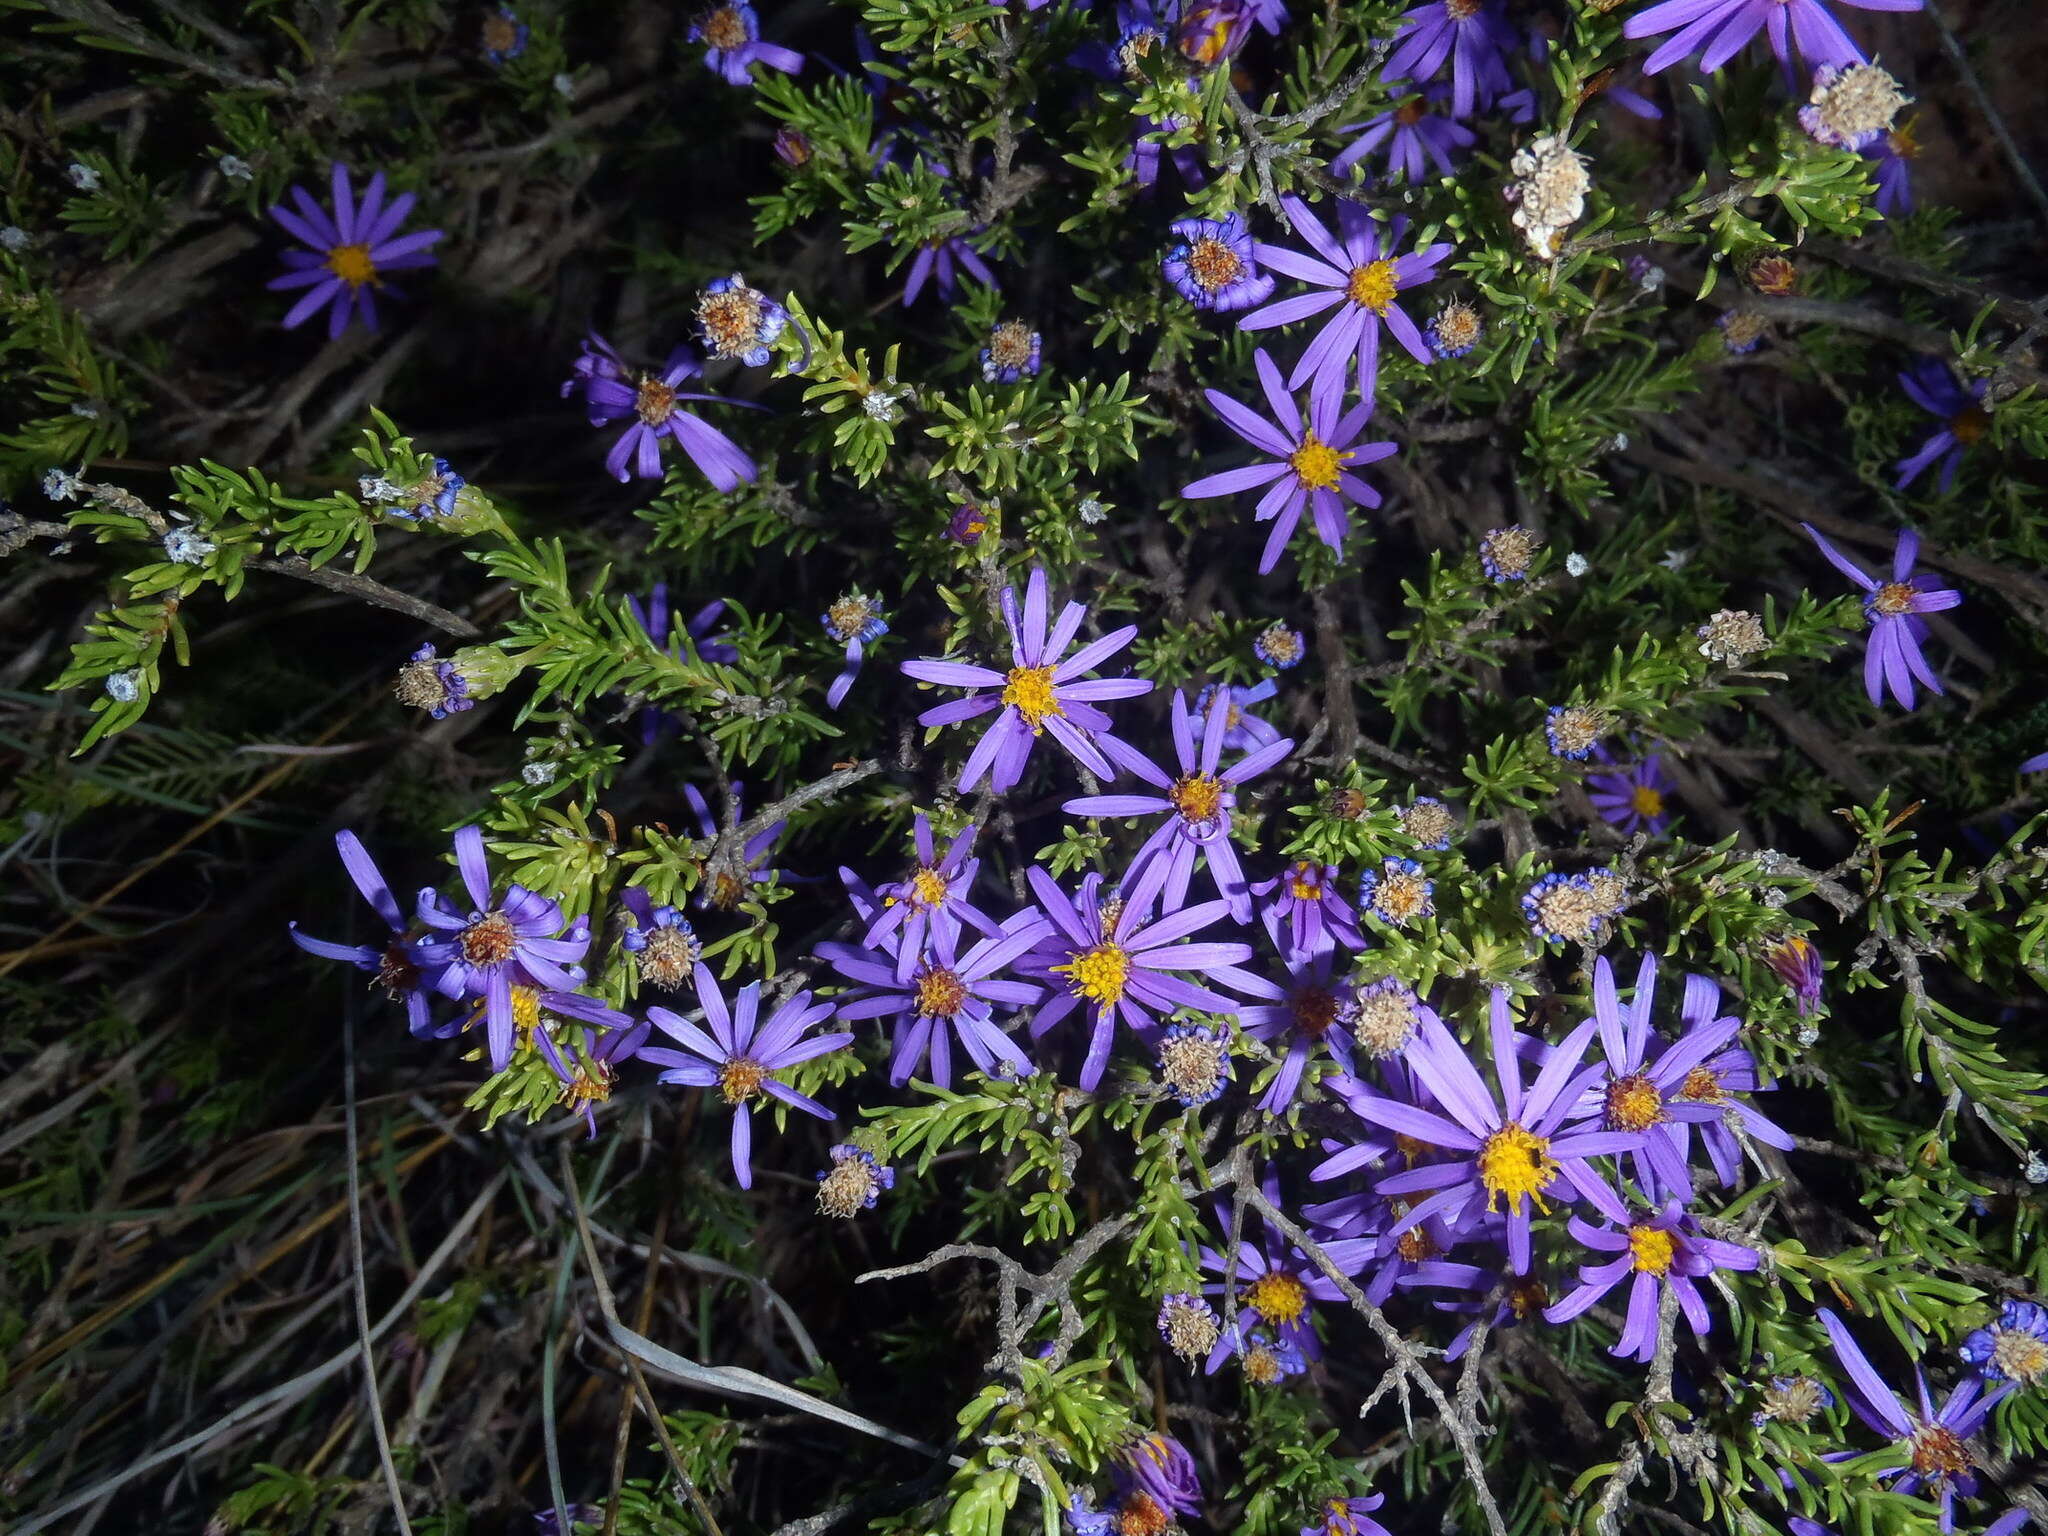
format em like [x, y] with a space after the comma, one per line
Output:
[1633, 1103]
[1969, 424]
[940, 993]
[1198, 797]
[1893, 598]
[489, 940]
[655, 402]
[1213, 265]
[725, 28]
[740, 1079]
[352, 264]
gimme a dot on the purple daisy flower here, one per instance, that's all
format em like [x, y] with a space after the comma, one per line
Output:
[1894, 153]
[1307, 1009]
[1892, 658]
[1196, 803]
[1274, 1283]
[430, 682]
[520, 941]
[1397, 893]
[931, 901]
[1109, 955]
[1935, 1442]
[1242, 730]
[1930, 385]
[725, 887]
[856, 622]
[395, 965]
[1799, 966]
[664, 945]
[731, 34]
[585, 1060]
[1308, 899]
[1212, 264]
[1310, 463]
[1349, 1517]
[1634, 796]
[350, 250]
[1407, 1260]
[1014, 352]
[1522, 1296]
[1161, 1466]
[1722, 1081]
[1040, 693]
[1362, 278]
[1279, 647]
[1654, 1252]
[1513, 1150]
[1646, 1091]
[946, 997]
[854, 1182]
[935, 264]
[2015, 1348]
[739, 1058]
[2033, 764]
[738, 322]
[1416, 131]
[1717, 30]
[1471, 34]
[655, 406]
[504, 35]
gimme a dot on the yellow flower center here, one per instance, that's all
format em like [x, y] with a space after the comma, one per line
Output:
[1651, 1250]
[591, 1085]
[1702, 1085]
[1305, 882]
[1212, 264]
[352, 264]
[1198, 797]
[1373, 285]
[525, 1012]
[739, 1080]
[927, 887]
[1028, 690]
[1098, 974]
[1633, 1103]
[1261, 1366]
[1514, 1165]
[1277, 1297]
[1893, 598]
[655, 402]
[940, 993]
[1646, 801]
[1528, 1295]
[489, 940]
[1316, 463]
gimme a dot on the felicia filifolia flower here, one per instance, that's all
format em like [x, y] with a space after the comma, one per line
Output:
[1892, 657]
[855, 621]
[947, 996]
[1040, 692]
[854, 1182]
[395, 964]
[1894, 153]
[1471, 35]
[731, 35]
[1308, 1008]
[1349, 1517]
[2015, 1348]
[655, 406]
[350, 252]
[1196, 803]
[521, 941]
[737, 321]
[664, 945]
[725, 886]
[504, 35]
[1310, 465]
[1799, 966]
[1014, 352]
[1935, 1442]
[1512, 1151]
[655, 617]
[1652, 1252]
[1851, 107]
[1633, 797]
[739, 1057]
[585, 1059]
[1308, 899]
[1242, 730]
[1717, 30]
[1930, 385]
[1361, 278]
[1111, 957]
[1409, 134]
[1212, 265]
